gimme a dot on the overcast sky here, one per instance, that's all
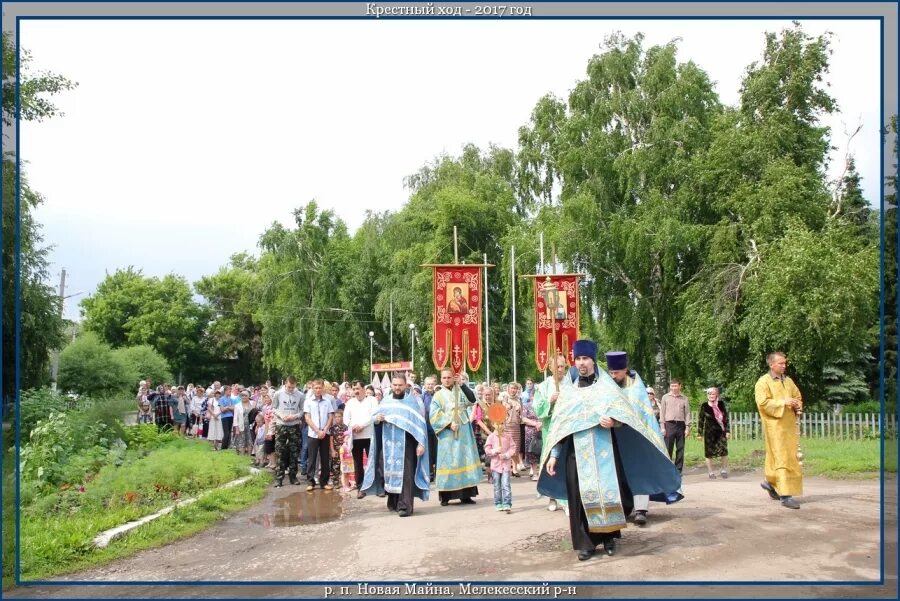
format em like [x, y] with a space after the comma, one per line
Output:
[185, 140]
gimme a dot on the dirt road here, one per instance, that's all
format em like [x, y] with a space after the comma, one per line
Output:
[724, 530]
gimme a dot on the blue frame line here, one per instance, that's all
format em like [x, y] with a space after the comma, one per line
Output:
[446, 18]
[881, 304]
[57, 583]
[18, 310]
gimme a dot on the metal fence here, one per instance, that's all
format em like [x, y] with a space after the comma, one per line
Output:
[849, 426]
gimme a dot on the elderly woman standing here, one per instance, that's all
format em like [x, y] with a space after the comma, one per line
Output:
[714, 429]
[242, 435]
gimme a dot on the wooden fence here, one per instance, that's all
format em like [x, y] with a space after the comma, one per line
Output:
[746, 426]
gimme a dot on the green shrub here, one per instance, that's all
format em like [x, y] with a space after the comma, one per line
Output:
[67, 447]
[147, 437]
[50, 444]
[107, 411]
[37, 404]
[89, 366]
[868, 407]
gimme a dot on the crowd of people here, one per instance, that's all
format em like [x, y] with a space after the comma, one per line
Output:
[581, 430]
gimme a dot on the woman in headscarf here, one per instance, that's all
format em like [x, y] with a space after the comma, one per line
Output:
[714, 429]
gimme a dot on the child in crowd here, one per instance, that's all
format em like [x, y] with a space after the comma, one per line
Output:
[269, 416]
[347, 469]
[501, 447]
[145, 416]
[259, 448]
[338, 433]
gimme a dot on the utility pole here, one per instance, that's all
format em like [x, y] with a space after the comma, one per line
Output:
[54, 364]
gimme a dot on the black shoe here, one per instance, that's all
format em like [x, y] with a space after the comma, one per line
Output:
[403, 513]
[444, 503]
[468, 501]
[640, 518]
[790, 503]
[381, 495]
[279, 483]
[360, 495]
[773, 494]
[610, 547]
[294, 480]
[585, 555]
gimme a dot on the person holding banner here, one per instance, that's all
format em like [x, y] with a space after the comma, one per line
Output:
[458, 467]
[401, 449]
[601, 451]
[545, 396]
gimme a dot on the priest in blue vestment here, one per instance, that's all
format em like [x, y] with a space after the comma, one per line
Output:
[402, 449]
[601, 451]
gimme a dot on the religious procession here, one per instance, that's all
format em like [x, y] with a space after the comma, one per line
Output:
[594, 439]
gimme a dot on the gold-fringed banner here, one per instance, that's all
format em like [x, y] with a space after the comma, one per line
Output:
[458, 302]
[564, 315]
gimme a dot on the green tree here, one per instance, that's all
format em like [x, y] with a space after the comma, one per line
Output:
[814, 296]
[89, 366]
[304, 327]
[142, 362]
[129, 309]
[770, 279]
[234, 335]
[891, 265]
[620, 158]
[41, 325]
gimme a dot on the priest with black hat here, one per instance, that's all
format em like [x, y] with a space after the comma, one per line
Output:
[633, 388]
[601, 451]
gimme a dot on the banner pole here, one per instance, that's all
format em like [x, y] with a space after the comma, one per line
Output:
[513, 281]
[487, 340]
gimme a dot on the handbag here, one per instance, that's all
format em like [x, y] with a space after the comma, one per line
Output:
[535, 446]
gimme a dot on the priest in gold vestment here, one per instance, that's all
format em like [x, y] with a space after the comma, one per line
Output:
[779, 402]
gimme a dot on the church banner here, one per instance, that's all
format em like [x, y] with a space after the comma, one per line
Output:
[457, 316]
[565, 315]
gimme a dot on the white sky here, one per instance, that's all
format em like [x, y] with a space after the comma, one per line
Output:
[185, 140]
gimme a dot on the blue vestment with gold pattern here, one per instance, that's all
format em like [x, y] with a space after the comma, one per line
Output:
[401, 416]
[458, 465]
[647, 468]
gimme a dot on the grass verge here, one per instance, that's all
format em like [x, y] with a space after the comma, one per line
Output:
[58, 528]
[839, 459]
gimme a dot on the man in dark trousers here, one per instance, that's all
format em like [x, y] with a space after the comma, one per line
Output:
[401, 449]
[675, 421]
[600, 454]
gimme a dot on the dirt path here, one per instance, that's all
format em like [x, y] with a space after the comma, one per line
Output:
[723, 530]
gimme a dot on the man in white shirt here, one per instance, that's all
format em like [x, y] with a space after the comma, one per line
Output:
[358, 413]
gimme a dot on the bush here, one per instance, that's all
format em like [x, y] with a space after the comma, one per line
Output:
[50, 445]
[108, 411]
[89, 366]
[37, 404]
[142, 362]
[868, 407]
[147, 436]
[65, 447]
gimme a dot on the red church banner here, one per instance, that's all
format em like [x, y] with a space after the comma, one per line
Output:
[457, 317]
[566, 318]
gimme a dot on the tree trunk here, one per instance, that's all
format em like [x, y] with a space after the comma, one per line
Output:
[661, 380]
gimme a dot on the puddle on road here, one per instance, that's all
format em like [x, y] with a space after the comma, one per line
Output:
[302, 508]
